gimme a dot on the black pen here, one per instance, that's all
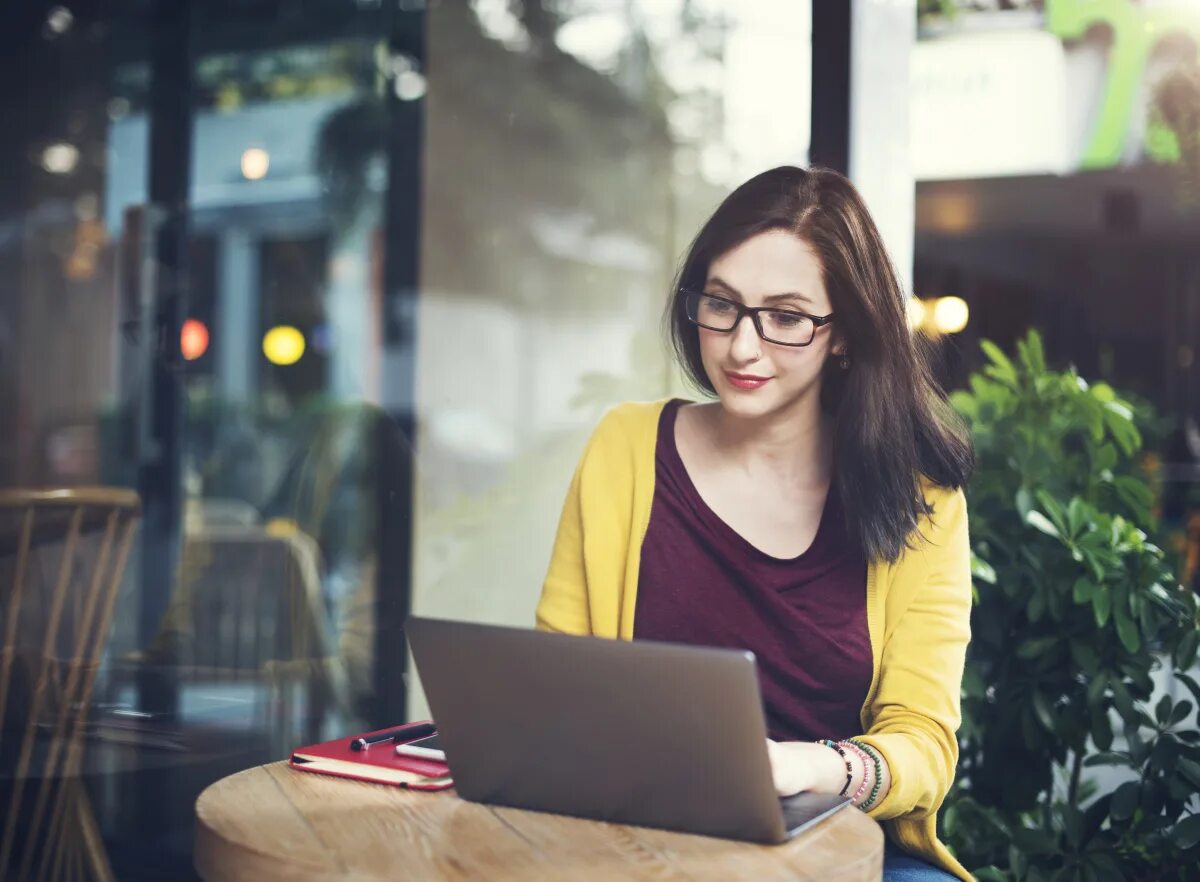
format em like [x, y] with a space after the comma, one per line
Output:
[406, 732]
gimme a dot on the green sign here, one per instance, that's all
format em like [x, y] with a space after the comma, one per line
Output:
[1136, 30]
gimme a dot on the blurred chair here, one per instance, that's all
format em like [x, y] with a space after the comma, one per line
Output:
[62, 559]
[203, 513]
[248, 625]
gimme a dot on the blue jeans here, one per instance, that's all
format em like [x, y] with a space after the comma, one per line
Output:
[899, 866]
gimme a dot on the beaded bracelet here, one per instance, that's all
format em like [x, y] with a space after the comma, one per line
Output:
[878, 773]
[862, 787]
[849, 768]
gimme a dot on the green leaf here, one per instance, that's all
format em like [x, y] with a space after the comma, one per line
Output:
[1077, 515]
[1107, 869]
[1190, 769]
[1187, 832]
[972, 683]
[1179, 713]
[1120, 408]
[991, 874]
[1105, 459]
[1024, 502]
[1084, 656]
[1031, 352]
[1054, 510]
[1127, 631]
[1124, 801]
[1122, 430]
[1123, 701]
[1162, 710]
[1039, 521]
[1102, 732]
[1102, 605]
[1031, 649]
[1179, 789]
[1165, 753]
[996, 355]
[1188, 681]
[1185, 652]
[1084, 590]
[1041, 707]
[982, 570]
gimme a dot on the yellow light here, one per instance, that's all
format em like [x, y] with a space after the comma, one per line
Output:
[916, 312]
[193, 339]
[255, 163]
[283, 345]
[950, 314]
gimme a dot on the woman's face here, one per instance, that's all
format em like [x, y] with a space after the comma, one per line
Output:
[753, 377]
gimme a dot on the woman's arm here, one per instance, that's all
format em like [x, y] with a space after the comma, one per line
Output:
[799, 766]
[915, 712]
[563, 604]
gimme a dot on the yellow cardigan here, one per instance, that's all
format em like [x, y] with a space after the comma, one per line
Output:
[918, 616]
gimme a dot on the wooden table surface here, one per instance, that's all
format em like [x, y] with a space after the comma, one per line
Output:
[274, 823]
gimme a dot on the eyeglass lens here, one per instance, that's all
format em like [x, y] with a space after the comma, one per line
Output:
[777, 325]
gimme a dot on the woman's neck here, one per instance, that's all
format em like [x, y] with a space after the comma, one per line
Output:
[790, 447]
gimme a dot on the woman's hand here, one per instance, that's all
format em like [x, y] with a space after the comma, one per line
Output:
[798, 766]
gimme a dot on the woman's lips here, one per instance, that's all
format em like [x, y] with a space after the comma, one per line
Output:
[745, 381]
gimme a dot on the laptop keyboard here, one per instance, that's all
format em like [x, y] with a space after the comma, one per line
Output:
[804, 808]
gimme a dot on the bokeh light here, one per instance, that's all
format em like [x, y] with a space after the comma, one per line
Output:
[283, 345]
[950, 314]
[193, 339]
[60, 158]
[256, 162]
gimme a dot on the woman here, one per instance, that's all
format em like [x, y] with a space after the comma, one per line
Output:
[811, 512]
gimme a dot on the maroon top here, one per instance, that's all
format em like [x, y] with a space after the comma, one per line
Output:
[805, 618]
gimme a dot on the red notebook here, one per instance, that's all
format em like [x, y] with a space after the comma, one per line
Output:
[379, 762]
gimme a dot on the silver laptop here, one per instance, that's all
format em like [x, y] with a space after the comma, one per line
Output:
[639, 732]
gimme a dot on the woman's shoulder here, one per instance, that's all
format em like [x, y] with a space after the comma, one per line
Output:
[947, 510]
[630, 423]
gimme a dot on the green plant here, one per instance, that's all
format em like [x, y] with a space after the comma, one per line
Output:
[1075, 608]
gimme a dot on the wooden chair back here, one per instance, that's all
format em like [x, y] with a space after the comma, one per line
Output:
[62, 559]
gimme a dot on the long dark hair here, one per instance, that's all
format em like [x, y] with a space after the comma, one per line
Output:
[893, 423]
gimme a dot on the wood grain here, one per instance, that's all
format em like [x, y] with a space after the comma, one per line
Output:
[274, 823]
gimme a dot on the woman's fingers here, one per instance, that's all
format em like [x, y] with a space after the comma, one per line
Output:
[789, 775]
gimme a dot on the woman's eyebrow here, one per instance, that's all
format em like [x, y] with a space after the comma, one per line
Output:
[774, 298]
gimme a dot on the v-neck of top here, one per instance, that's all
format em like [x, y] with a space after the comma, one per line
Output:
[669, 449]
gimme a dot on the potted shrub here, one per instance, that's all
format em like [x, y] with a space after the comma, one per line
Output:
[1075, 607]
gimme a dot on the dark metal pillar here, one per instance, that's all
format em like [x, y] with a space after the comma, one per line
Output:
[831, 40]
[161, 439]
[396, 435]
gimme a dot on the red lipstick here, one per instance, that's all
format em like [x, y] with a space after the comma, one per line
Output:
[745, 381]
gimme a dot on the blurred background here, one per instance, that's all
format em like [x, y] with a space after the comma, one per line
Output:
[339, 288]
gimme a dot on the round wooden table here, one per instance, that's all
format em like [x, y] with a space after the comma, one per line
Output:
[274, 823]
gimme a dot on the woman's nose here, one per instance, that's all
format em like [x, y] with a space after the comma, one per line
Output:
[746, 345]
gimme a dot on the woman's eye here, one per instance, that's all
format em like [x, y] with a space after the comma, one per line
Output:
[786, 319]
[717, 305]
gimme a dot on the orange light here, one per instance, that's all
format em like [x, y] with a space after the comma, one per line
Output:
[193, 339]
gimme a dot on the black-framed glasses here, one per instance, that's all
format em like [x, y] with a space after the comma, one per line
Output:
[787, 327]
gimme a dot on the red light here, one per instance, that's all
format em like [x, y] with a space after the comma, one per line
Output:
[193, 339]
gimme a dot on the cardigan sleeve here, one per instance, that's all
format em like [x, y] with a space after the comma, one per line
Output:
[563, 606]
[915, 711]
[588, 552]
